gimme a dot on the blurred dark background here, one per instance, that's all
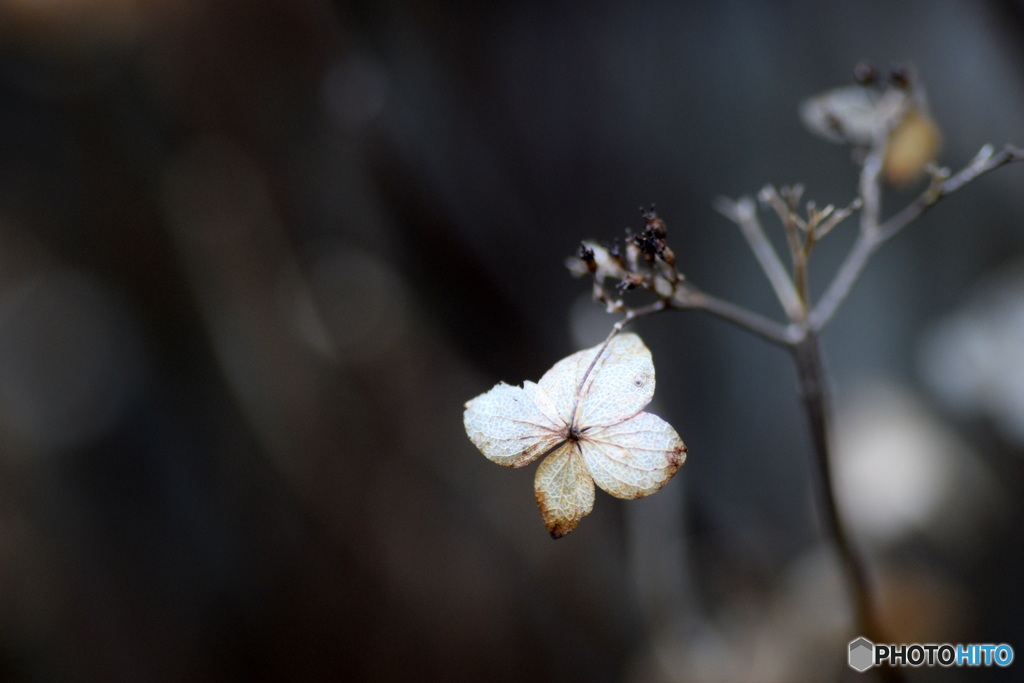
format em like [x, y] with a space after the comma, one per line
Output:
[254, 257]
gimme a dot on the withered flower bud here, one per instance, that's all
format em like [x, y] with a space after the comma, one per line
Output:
[654, 224]
[901, 77]
[668, 256]
[586, 254]
[632, 281]
[648, 245]
[616, 253]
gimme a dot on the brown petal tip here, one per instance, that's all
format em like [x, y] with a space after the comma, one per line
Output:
[559, 530]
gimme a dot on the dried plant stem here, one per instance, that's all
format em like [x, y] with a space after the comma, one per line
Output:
[689, 297]
[815, 397]
[806, 353]
[692, 298]
[800, 335]
[744, 214]
[873, 234]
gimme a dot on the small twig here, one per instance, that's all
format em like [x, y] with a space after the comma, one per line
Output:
[835, 218]
[870, 191]
[801, 256]
[690, 297]
[984, 161]
[840, 286]
[744, 214]
[784, 205]
[873, 234]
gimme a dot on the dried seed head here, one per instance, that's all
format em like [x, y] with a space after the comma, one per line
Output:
[653, 223]
[901, 77]
[586, 254]
[615, 252]
[668, 256]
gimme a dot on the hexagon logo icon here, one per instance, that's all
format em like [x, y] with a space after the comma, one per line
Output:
[862, 654]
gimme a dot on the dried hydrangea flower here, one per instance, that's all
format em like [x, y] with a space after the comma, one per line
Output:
[586, 416]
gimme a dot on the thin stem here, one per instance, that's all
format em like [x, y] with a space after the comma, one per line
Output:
[983, 162]
[873, 234]
[634, 313]
[868, 241]
[744, 214]
[800, 258]
[843, 281]
[693, 298]
[631, 314]
[835, 218]
[807, 356]
[870, 192]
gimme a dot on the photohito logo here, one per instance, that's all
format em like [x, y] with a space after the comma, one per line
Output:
[864, 654]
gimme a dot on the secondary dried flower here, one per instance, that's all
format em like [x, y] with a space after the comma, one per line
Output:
[874, 113]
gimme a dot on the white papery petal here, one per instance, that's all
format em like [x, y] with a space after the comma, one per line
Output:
[564, 490]
[562, 382]
[513, 426]
[619, 385]
[633, 458]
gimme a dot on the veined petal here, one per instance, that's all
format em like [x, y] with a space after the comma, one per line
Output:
[619, 384]
[546, 406]
[634, 458]
[509, 427]
[564, 490]
[562, 381]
